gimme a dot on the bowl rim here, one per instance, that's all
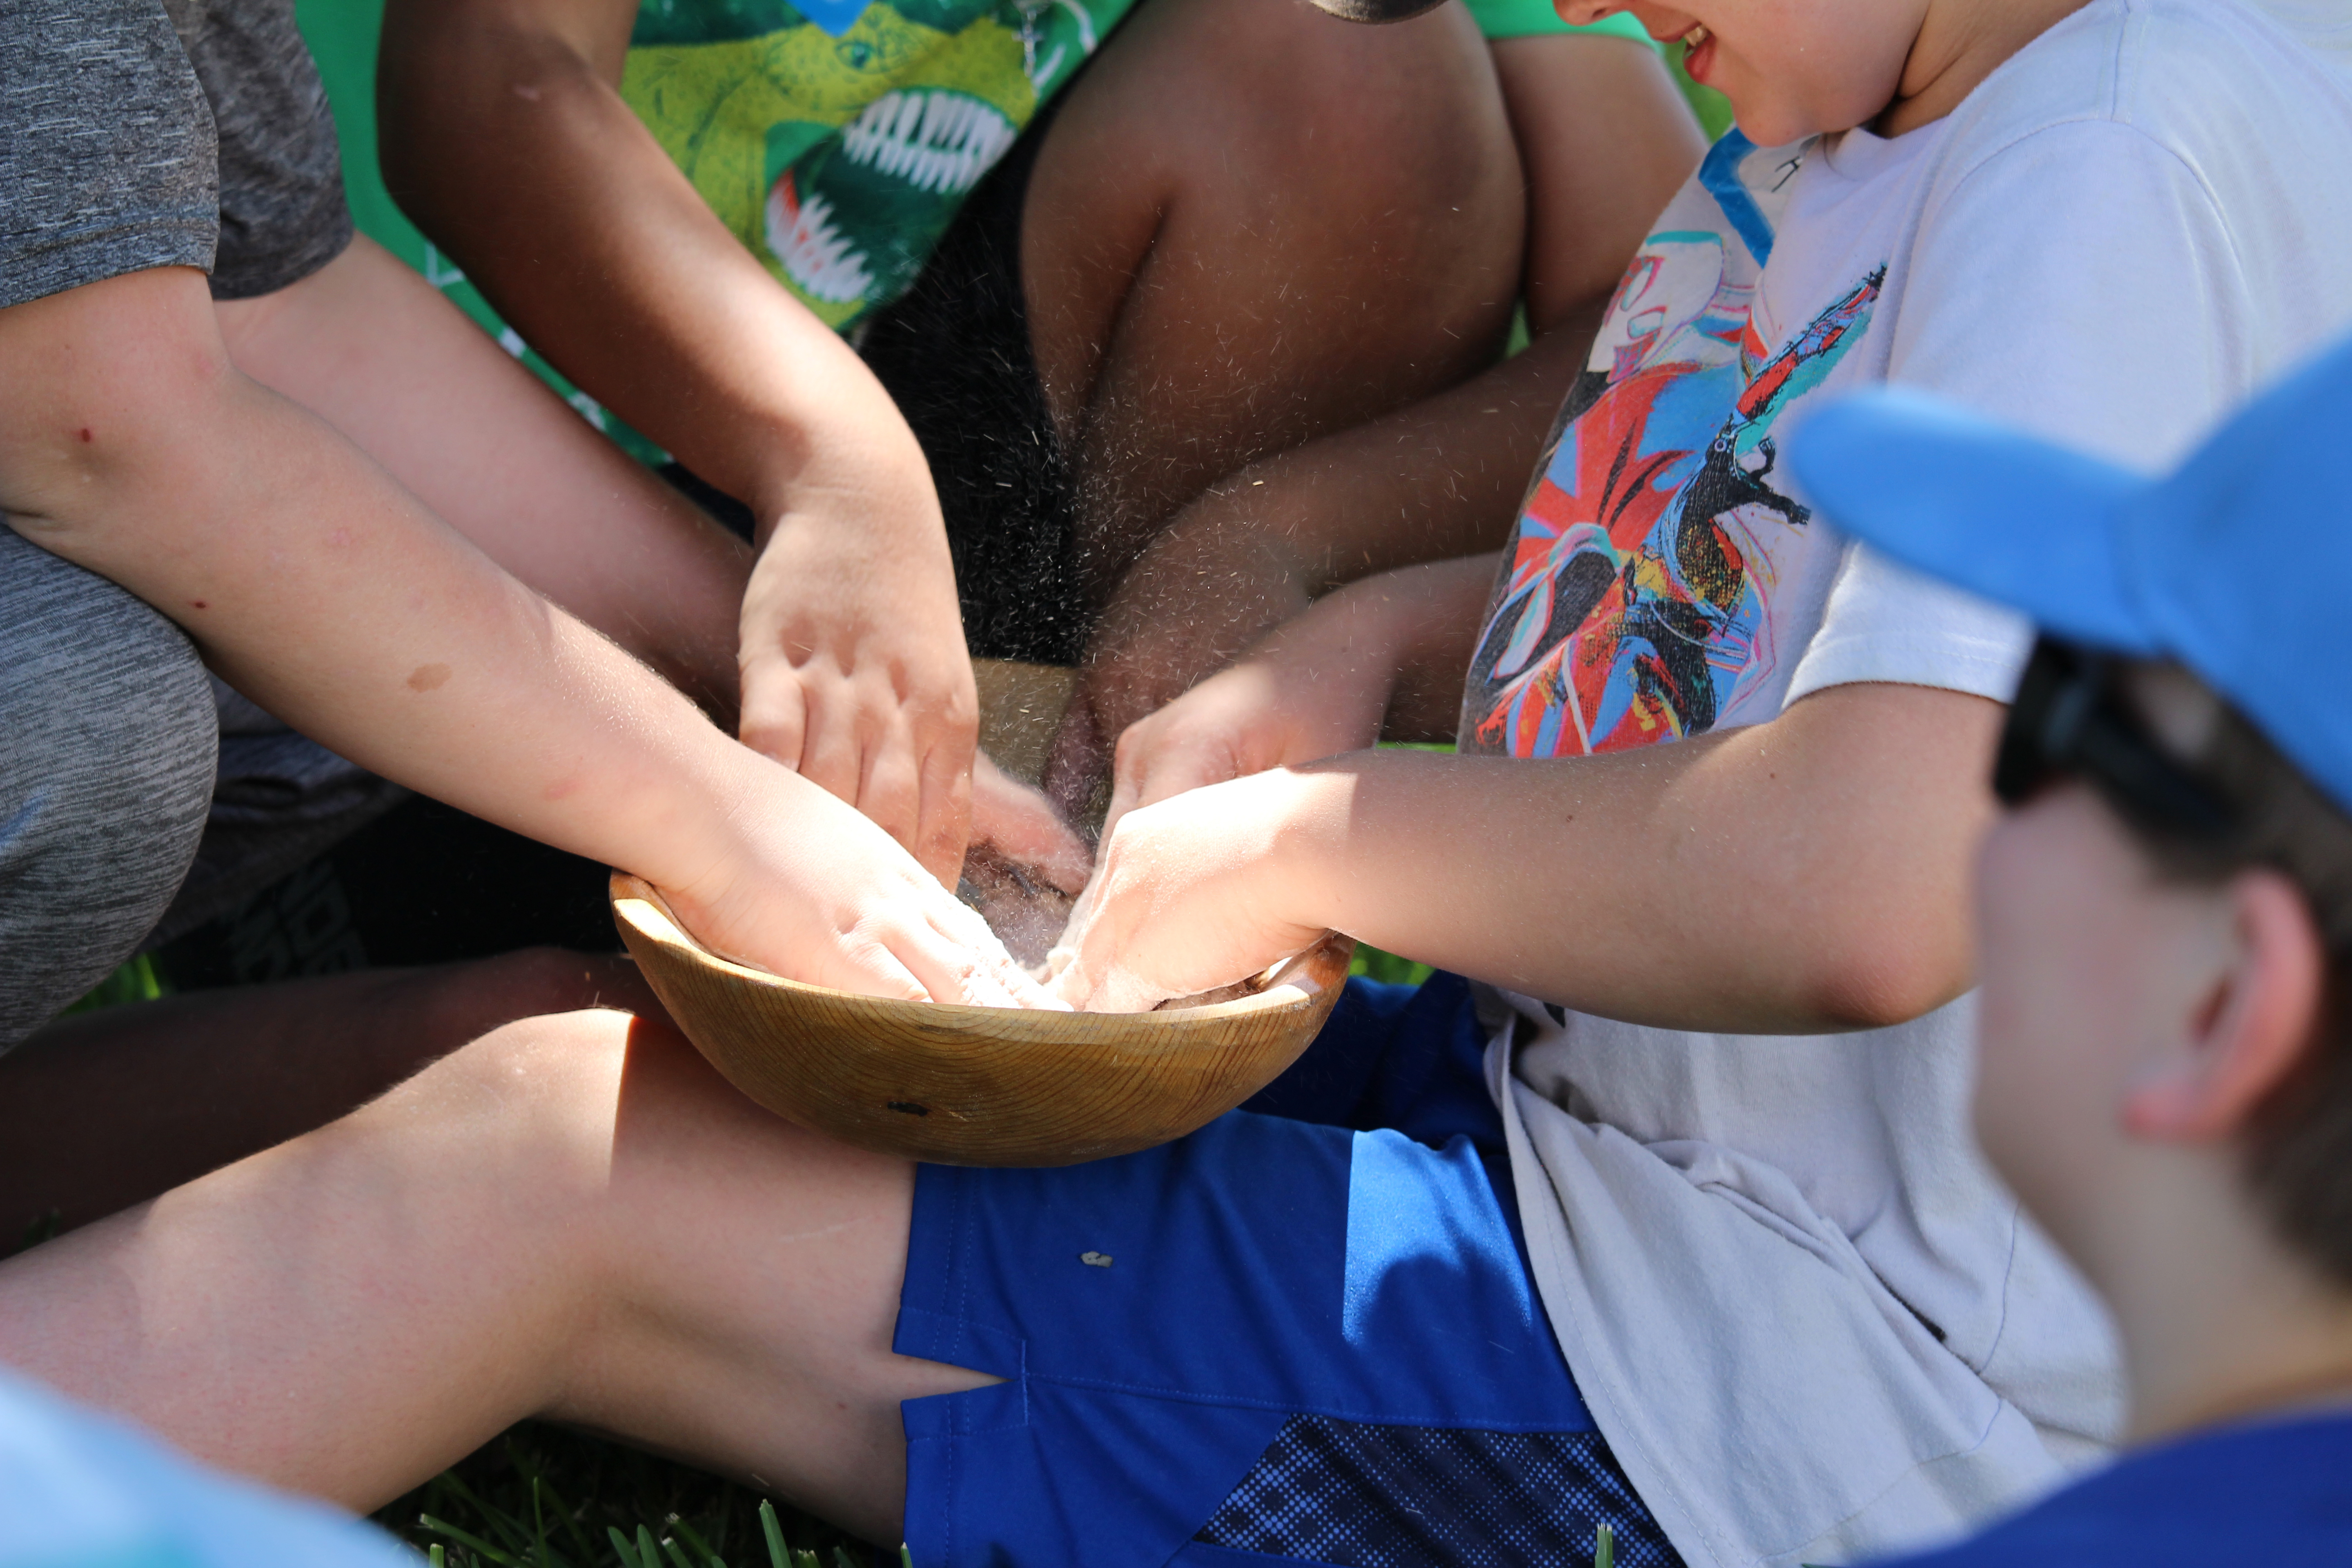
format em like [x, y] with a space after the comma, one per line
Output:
[1281, 991]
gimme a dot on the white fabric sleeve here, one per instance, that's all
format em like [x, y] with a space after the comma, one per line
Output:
[2079, 283]
[1885, 622]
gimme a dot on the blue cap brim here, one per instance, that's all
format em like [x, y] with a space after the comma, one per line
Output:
[2002, 515]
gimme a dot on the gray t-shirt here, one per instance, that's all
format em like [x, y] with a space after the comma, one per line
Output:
[136, 134]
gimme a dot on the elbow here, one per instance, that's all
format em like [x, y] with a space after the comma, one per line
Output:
[1876, 972]
[119, 382]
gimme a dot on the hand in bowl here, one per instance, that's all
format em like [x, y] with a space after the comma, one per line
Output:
[1196, 892]
[812, 890]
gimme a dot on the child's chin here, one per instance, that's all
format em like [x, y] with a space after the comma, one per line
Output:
[1766, 124]
[1770, 128]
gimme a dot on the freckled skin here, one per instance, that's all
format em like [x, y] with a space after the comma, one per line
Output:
[428, 677]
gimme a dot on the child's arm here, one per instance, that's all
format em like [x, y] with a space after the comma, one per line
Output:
[130, 445]
[1805, 875]
[1605, 138]
[505, 137]
[376, 351]
[1381, 658]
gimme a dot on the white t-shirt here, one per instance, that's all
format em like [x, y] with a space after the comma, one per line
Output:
[1810, 1321]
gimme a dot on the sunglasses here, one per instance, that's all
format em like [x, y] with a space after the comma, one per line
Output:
[2069, 720]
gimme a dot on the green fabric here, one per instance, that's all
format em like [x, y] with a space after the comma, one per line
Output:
[841, 160]
[1530, 18]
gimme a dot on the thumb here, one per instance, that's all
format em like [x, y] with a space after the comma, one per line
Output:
[774, 714]
[1025, 827]
[1129, 775]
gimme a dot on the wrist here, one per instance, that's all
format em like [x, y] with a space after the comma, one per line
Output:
[1355, 638]
[846, 466]
[1294, 867]
[698, 836]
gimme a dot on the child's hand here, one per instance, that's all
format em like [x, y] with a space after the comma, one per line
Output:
[854, 674]
[1268, 712]
[1161, 633]
[1382, 655]
[1193, 893]
[813, 891]
[1315, 688]
[1023, 827]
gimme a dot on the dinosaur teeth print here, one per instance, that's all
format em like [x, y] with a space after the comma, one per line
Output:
[817, 255]
[841, 159]
[933, 137]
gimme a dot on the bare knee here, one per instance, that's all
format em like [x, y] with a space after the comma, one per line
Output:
[1346, 202]
[1384, 152]
[1414, 193]
[1403, 124]
[528, 1107]
[551, 1068]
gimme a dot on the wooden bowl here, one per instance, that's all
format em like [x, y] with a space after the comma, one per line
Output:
[977, 1086]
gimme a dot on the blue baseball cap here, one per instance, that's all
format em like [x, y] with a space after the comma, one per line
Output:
[2238, 565]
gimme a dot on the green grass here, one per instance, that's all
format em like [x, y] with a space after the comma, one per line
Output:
[540, 1497]
[1373, 964]
[137, 981]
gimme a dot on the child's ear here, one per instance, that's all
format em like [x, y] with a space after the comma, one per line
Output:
[2251, 1028]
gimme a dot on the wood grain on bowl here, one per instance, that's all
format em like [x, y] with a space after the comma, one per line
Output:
[976, 1086]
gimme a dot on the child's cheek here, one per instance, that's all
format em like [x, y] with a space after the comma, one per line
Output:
[2026, 1003]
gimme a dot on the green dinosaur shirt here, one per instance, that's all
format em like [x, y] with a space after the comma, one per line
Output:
[837, 139]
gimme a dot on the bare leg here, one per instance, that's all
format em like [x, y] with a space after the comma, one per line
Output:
[572, 1217]
[369, 347]
[1253, 224]
[101, 1111]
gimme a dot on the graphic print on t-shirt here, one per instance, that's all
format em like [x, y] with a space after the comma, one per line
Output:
[1636, 602]
[837, 139]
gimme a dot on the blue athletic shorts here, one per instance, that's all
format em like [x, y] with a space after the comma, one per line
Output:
[1305, 1334]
